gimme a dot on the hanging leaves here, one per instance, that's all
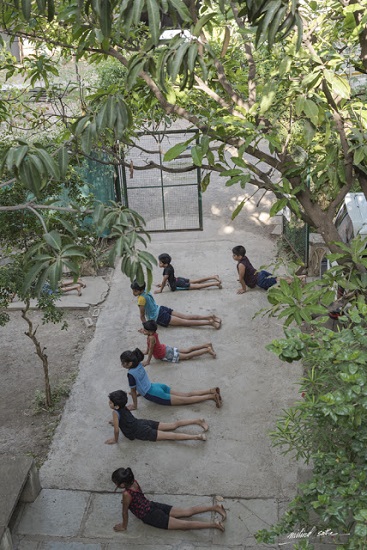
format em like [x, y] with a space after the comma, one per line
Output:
[274, 20]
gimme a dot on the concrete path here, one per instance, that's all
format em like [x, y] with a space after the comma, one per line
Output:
[77, 509]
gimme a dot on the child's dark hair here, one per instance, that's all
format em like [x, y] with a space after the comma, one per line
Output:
[239, 251]
[165, 258]
[135, 286]
[118, 398]
[150, 325]
[123, 475]
[133, 357]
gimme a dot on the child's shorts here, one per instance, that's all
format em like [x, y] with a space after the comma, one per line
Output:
[172, 355]
[158, 516]
[164, 316]
[159, 393]
[265, 280]
[182, 283]
[146, 430]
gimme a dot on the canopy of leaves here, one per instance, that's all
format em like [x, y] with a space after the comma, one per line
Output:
[291, 112]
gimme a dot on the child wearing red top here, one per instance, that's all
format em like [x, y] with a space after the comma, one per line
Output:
[167, 353]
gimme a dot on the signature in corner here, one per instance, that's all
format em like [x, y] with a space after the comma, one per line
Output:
[303, 534]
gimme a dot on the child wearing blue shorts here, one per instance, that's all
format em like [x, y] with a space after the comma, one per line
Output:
[160, 393]
[165, 316]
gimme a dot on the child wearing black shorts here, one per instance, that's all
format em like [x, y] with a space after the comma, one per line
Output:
[181, 283]
[147, 430]
[156, 514]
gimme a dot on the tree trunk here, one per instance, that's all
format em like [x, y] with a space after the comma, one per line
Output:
[40, 352]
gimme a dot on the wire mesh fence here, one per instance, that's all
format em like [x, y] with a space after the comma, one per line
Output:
[296, 234]
[166, 194]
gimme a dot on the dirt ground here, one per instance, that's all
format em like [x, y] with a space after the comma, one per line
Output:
[26, 427]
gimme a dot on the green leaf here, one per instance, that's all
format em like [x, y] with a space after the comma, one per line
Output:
[53, 239]
[176, 150]
[19, 154]
[149, 279]
[105, 18]
[360, 530]
[204, 183]
[201, 23]
[310, 131]
[177, 60]
[278, 206]
[153, 19]
[68, 227]
[133, 73]
[181, 9]
[266, 100]
[300, 104]
[338, 84]
[359, 155]
[197, 155]
[50, 10]
[51, 168]
[311, 110]
[231, 172]
[238, 209]
[54, 274]
[32, 273]
[26, 9]
[239, 162]
[98, 214]
[137, 9]
[63, 158]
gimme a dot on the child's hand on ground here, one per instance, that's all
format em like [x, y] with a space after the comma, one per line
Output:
[119, 527]
[241, 291]
[157, 292]
[141, 330]
[145, 363]
[131, 407]
[110, 442]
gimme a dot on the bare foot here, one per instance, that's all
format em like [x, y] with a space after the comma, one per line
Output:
[216, 324]
[201, 437]
[218, 401]
[216, 319]
[218, 525]
[220, 285]
[218, 393]
[203, 424]
[220, 509]
[217, 278]
[211, 351]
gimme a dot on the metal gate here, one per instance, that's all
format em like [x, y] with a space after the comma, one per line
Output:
[165, 194]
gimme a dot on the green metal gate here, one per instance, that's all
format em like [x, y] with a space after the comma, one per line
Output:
[166, 194]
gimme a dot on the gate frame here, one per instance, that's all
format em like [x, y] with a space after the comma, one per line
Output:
[124, 187]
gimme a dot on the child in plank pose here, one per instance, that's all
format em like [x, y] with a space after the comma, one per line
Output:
[180, 283]
[250, 277]
[167, 353]
[159, 393]
[147, 430]
[165, 316]
[162, 516]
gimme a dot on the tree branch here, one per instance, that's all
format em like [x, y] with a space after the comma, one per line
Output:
[205, 88]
